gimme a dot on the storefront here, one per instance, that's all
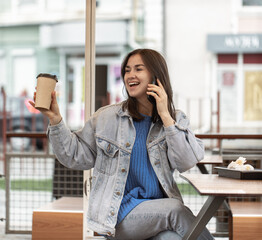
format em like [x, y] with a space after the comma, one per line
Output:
[237, 74]
[111, 44]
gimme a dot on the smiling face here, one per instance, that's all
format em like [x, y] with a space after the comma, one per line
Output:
[137, 78]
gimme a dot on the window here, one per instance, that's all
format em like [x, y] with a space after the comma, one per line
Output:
[253, 96]
[3, 67]
[227, 58]
[26, 6]
[251, 2]
[5, 6]
[253, 58]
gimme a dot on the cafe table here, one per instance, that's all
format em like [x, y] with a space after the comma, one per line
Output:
[217, 189]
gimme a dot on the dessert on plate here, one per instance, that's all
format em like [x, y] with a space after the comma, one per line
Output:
[240, 165]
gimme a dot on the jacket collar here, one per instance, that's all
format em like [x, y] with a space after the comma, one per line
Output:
[123, 113]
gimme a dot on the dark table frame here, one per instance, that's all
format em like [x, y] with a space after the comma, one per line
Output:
[215, 197]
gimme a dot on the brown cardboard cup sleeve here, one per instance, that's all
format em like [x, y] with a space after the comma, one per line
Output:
[45, 86]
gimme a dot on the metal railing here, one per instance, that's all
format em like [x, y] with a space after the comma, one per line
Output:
[30, 178]
[28, 184]
[34, 179]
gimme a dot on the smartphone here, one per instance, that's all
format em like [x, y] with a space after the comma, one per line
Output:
[151, 98]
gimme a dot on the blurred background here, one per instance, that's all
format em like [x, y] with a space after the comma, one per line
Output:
[213, 50]
[210, 46]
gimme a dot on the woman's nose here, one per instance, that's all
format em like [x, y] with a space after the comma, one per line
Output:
[132, 73]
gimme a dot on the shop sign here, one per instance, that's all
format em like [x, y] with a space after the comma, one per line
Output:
[234, 43]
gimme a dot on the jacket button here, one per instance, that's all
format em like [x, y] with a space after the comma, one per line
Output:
[123, 170]
[108, 233]
[127, 144]
[118, 193]
[112, 213]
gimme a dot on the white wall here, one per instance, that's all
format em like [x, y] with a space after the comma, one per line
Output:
[154, 21]
[188, 23]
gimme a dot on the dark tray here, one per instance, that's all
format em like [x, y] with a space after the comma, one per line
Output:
[255, 174]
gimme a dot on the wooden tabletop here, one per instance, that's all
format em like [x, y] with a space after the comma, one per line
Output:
[212, 184]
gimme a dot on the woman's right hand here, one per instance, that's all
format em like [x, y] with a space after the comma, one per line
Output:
[53, 113]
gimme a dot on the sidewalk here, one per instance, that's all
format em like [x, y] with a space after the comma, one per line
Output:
[29, 237]
[4, 236]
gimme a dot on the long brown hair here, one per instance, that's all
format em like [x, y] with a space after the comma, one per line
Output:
[156, 65]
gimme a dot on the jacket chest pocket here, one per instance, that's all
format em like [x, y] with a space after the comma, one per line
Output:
[162, 147]
[107, 157]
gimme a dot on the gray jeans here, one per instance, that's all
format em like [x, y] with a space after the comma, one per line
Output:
[160, 219]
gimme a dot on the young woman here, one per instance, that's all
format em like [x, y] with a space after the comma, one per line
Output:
[134, 148]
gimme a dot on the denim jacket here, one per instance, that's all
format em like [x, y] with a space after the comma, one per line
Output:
[105, 144]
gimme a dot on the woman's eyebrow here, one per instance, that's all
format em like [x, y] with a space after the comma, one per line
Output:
[140, 65]
[137, 65]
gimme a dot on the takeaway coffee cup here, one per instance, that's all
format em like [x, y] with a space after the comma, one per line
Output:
[45, 86]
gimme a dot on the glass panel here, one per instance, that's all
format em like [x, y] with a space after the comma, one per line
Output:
[24, 83]
[228, 95]
[75, 93]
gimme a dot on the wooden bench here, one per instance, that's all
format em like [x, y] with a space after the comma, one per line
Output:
[209, 159]
[61, 219]
[246, 220]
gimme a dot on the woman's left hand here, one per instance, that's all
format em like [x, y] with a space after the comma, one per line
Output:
[159, 93]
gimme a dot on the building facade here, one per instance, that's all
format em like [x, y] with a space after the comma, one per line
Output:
[49, 36]
[46, 36]
[215, 46]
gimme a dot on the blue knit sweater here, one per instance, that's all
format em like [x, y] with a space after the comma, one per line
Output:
[142, 183]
